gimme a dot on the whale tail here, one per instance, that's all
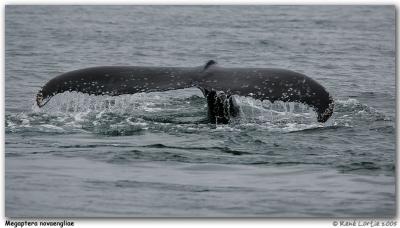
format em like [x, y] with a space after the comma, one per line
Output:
[259, 83]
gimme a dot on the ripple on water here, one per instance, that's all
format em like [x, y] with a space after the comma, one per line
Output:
[136, 114]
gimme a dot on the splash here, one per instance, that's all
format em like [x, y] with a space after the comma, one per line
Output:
[351, 112]
[176, 112]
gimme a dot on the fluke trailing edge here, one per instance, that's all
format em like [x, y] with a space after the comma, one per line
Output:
[218, 84]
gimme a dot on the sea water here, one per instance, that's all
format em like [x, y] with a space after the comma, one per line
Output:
[155, 154]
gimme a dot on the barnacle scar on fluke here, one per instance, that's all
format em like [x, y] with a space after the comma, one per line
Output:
[217, 83]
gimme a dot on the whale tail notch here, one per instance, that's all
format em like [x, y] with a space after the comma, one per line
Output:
[208, 64]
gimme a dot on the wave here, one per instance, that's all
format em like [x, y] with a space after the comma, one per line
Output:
[183, 111]
[265, 133]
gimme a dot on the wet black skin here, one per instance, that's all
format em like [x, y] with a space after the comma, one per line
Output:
[218, 85]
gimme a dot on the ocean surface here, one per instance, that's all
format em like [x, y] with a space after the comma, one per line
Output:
[154, 154]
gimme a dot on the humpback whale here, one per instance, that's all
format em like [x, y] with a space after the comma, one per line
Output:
[218, 84]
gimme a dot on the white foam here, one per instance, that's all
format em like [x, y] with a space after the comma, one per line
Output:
[79, 112]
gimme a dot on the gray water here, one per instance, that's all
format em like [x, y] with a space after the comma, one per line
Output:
[154, 154]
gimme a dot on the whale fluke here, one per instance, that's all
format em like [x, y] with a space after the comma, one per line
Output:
[259, 83]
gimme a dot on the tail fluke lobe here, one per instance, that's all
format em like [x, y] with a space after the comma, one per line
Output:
[270, 84]
[115, 81]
